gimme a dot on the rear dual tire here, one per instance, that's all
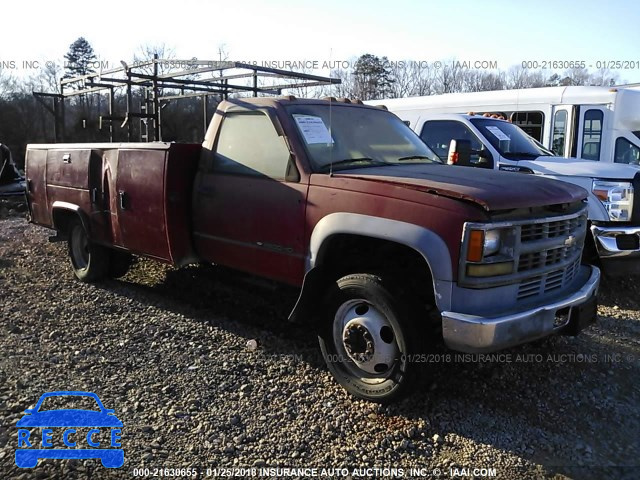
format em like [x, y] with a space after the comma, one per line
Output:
[92, 262]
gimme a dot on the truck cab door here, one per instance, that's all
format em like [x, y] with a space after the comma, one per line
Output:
[249, 206]
[563, 131]
[591, 132]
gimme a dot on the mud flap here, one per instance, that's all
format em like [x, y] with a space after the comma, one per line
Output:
[581, 317]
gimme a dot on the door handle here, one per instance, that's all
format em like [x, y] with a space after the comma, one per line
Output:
[66, 158]
[123, 200]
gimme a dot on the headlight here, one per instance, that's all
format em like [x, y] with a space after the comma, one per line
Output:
[483, 243]
[617, 198]
[489, 252]
[492, 242]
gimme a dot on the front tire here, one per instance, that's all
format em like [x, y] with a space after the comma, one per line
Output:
[90, 262]
[369, 340]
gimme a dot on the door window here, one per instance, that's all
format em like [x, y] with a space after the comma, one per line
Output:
[592, 134]
[248, 144]
[626, 152]
[559, 132]
[437, 134]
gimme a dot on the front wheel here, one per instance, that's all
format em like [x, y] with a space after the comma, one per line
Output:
[369, 340]
[90, 262]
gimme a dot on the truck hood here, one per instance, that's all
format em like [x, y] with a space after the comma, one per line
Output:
[490, 189]
[575, 167]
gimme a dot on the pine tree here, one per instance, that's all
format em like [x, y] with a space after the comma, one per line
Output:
[373, 78]
[80, 59]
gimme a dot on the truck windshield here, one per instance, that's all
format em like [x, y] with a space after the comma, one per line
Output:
[510, 140]
[339, 137]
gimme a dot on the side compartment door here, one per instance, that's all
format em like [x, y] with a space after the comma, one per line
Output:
[139, 199]
[249, 205]
[36, 164]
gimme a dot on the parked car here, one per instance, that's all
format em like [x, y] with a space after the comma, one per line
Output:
[591, 123]
[493, 143]
[11, 181]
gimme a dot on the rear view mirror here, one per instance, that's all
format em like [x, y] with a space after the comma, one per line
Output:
[459, 152]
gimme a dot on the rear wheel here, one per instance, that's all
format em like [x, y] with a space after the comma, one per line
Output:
[369, 340]
[90, 262]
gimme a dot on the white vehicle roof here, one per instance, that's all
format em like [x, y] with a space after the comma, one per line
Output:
[544, 95]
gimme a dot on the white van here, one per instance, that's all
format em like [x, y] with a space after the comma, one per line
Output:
[592, 123]
[479, 141]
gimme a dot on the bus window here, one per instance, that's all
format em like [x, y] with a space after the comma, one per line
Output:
[592, 134]
[626, 152]
[531, 122]
[559, 132]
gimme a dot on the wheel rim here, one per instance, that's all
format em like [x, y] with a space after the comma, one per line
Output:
[80, 248]
[366, 339]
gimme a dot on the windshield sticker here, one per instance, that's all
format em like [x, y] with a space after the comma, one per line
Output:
[313, 129]
[499, 134]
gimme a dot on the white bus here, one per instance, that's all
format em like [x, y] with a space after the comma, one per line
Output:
[593, 123]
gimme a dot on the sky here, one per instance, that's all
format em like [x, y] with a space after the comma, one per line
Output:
[500, 31]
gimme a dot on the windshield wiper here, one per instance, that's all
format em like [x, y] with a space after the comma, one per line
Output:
[368, 162]
[416, 157]
[522, 154]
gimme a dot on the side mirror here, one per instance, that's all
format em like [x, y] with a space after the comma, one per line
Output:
[292, 174]
[459, 152]
[484, 154]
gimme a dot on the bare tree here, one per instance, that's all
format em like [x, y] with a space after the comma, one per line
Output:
[604, 77]
[46, 80]
[148, 52]
[423, 78]
[449, 77]
[346, 87]
[519, 77]
[8, 84]
[403, 79]
[577, 76]
[494, 81]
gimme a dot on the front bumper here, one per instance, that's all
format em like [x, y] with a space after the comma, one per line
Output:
[476, 334]
[618, 248]
[617, 241]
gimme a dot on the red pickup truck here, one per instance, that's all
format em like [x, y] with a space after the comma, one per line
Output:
[391, 249]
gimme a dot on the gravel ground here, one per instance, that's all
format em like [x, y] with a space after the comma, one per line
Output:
[168, 350]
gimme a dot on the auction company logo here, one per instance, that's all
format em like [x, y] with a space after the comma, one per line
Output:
[28, 452]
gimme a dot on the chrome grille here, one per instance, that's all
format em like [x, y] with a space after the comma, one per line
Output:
[545, 252]
[538, 248]
[544, 258]
[546, 245]
[559, 228]
[547, 283]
